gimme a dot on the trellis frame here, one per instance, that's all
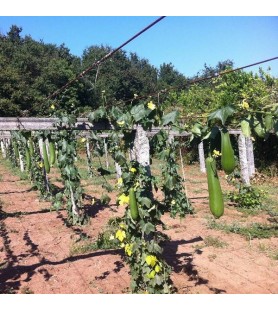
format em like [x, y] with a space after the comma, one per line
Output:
[245, 145]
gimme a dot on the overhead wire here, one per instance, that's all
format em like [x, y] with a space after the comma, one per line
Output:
[104, 58]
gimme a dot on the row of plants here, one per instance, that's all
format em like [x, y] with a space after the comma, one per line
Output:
[137, 231]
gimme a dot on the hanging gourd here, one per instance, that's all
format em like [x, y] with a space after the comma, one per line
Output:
[216, 202]
[227, 158]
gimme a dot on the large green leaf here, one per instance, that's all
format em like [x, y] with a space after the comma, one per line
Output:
[138, 112]
[222, 114]
[170, 118]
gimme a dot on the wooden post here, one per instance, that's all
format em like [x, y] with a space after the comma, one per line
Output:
[250, 156]
[243, 160]
[21, 165]
[202, 157]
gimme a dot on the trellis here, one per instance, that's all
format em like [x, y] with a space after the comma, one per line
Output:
[140, 151]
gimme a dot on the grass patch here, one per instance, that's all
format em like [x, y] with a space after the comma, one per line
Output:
[106, 240]
[253, 231]
[271, 252]
[215, 242]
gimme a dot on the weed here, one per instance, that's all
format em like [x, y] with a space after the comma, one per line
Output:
[212, 257]
[26, 290]
[106, 239]
[255, 230]
[271, 252]
[214, 242]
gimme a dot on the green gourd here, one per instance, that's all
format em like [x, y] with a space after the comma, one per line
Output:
[52, 156]
[227, 158]
[133, 204]
[28, 159]
[45, 158]
[268, 122]
[31, 147]
[16, 151]
[216, 202]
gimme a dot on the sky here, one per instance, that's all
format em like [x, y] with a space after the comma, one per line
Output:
[188, 42]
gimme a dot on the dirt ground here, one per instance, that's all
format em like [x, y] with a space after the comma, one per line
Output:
[35, 246]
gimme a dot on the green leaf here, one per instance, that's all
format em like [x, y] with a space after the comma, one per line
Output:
[97, 114]
[105, 199]
[138, 112]
[145, 201]
[108, 187]
[170, 118]
[222, 114]
[148, 228]
[196, 129]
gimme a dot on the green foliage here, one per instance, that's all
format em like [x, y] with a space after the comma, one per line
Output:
[253, 231]
[247, 197]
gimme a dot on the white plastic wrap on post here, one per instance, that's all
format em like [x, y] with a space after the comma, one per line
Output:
[202, 157]
[3, 149]
[142, 146]
[21, 164]
[118, 170]
[106, 154]
[250, 156]
[41, 156]
[244, 172]
[88, 153]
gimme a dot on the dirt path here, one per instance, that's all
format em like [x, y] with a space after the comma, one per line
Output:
[35, 252]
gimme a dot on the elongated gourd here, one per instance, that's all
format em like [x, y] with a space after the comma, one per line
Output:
[16, 151]
[216, 202]
[28, 159]
[45, 158]
[52, 156]
[227, 158]
[268, 122]
[31, 146]
[133, 204]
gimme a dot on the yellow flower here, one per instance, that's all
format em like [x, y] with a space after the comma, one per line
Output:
[40, 164]
[123, 199]
[120, 235]
[173, 202]
[120, 123]
[151, 274]
[123, 226]
[151, 105]
[111, 237]
[151, 260]
[157, 268]
[128, 249]
[133, 170]
[244, 104]
[83, 140]
[120, 182]
[137, 184]
[122, 245]
[52, 107]
[216, 154]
